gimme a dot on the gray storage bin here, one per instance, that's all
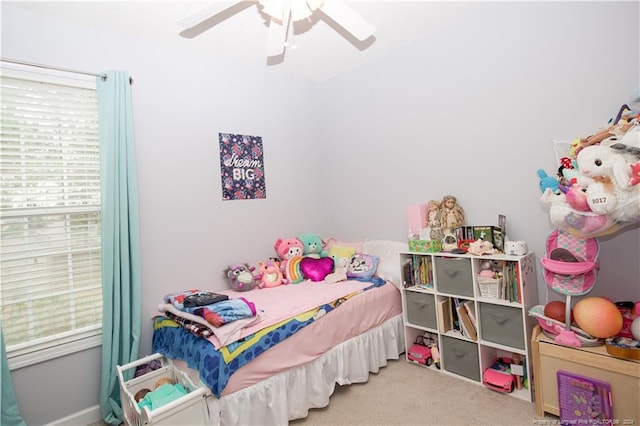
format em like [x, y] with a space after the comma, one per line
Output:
[453, 275]
[502, 324]
[460, 357]
[421, 309]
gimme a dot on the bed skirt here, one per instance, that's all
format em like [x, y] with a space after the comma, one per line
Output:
[290, 394]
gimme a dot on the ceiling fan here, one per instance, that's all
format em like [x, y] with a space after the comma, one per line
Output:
[281, 13]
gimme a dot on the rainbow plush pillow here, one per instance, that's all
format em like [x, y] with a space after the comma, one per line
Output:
[292, 271]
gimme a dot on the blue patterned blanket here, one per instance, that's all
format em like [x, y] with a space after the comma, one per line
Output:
[217, 366]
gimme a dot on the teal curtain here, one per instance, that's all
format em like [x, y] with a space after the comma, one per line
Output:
[9, 411]
[121, 281]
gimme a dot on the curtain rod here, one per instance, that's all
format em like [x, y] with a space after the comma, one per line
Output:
[31, 64]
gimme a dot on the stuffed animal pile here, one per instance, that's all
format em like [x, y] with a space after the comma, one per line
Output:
[306, 257]
[597, 188]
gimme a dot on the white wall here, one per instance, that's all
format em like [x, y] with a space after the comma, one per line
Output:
[469, 110]
[188, 234]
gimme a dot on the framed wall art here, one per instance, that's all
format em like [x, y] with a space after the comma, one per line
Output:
[241, 167]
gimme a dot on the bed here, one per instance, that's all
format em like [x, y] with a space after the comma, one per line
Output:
[276, 369]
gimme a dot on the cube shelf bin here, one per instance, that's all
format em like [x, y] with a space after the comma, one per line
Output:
[421, 309]
[190, 409]
[502, 325]
[460, 357]
[453, 276]
[497, 311]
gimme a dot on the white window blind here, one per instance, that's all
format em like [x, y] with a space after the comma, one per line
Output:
[50, 216]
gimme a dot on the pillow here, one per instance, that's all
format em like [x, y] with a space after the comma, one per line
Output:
[341, 255]
[389, 258]
[316, 269]
[362, 266]
[330, 242]
[292, 271]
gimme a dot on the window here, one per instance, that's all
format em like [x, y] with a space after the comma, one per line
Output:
[50, 217]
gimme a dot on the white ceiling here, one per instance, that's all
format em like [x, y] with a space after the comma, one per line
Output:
[323, 50]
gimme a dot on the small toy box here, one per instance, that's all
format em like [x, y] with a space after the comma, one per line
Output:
[425, 246]
[190, 409]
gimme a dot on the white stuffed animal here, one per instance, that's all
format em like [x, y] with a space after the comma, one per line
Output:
[561, 214]
[606, 175]
[632, 136]
[556, 204]
[627, 144]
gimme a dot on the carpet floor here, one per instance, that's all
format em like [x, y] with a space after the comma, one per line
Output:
[403, 393]
[406, 394]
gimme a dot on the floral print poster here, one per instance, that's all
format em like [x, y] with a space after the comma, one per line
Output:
[242, 167]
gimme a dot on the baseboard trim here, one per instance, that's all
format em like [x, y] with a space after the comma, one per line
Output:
[85, 417]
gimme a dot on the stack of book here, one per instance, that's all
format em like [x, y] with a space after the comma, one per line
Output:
[459, 316]
[417, 271]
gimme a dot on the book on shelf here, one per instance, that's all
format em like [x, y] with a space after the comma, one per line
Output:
[443, 313]
[423, 271]
[407, 274]
[417, 272]
[468, 330]
[471, 312]
[518, 284]
[455, 319]
[511, 290]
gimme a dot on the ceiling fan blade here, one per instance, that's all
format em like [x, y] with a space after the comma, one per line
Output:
[277, 36]
[348, 19]
[200, 15]
[201, 20]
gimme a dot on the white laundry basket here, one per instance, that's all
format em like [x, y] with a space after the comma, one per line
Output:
[190, 409]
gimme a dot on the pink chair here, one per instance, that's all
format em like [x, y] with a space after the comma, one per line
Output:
[570, 268]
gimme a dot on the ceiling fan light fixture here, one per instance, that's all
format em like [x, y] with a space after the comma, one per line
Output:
[299, 9]
[315, 4]
[281, 14]
[275, 8]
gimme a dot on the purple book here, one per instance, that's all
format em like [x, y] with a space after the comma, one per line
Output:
[583, 400]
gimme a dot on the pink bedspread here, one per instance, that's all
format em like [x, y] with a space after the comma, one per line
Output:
[287, 301]
[356, 316]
